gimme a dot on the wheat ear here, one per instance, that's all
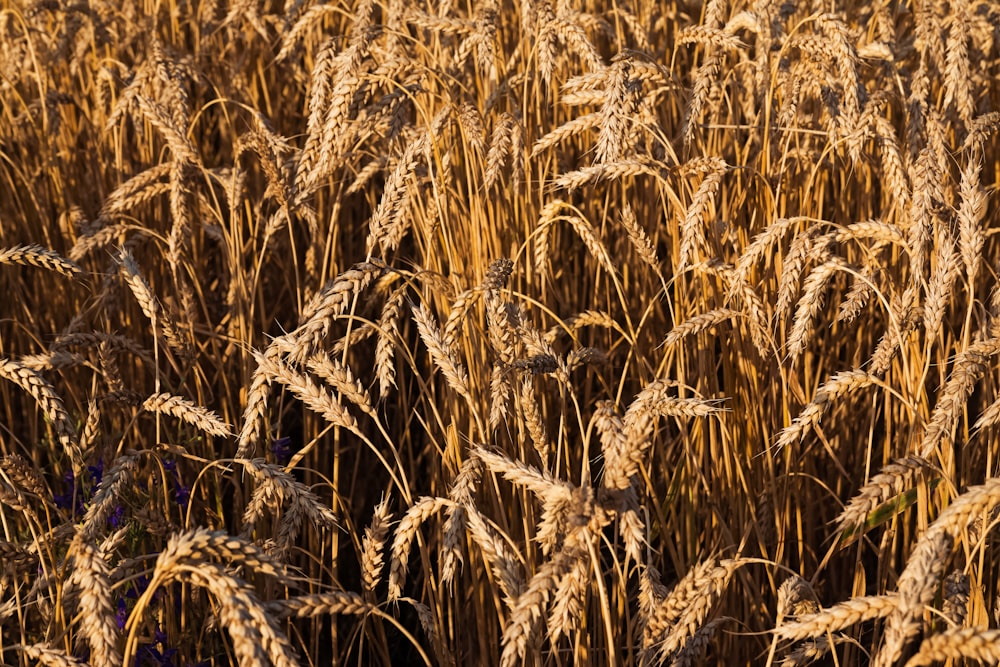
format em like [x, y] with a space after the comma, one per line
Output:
[973, 643]
[91, 576]
[372, 546]
[187, 412]
[839, 616]
[36, 255]
[50, 403]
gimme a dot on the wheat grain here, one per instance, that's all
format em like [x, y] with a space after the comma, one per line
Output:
[315, 397]
[501, 327]
[500, 149]
[902, 311]
[970, 216]
[939, 289]
[796, 597]
[118, 477]
[21, 473]
[149, 304]
[955, 593]
[969, 367]
[608, 171]
[693, 240]
[461, 491]
[49, 657]
[530, 606]
[388, 335]
[342, 379]
[695, 325]
[693, 652]
[810, 651]
[498, 554]
[957, 74]
[275, 486]
[534, 422]
[620, 102]
[517, 472]
[680, 615]
[387, 225]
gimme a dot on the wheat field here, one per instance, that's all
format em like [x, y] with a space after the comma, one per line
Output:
[370, 332]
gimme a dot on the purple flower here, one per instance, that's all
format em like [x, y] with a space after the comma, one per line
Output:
[117, 517]
[182, 494]
[281, 450]
[138, 587]
[149, 654]
[71, 500]
[122, 614]
[96, 473]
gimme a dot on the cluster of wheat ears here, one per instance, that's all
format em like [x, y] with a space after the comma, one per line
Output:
[493, 333]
